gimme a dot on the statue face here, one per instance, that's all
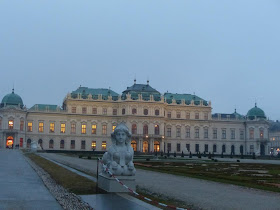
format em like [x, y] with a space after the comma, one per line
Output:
[121, 136]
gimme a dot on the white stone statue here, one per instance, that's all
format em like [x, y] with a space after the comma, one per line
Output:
[119, 158]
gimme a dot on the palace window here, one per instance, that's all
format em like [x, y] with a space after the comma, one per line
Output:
[29, 126]
[196, 116]
[21, 125]
[188, 147]
[146, 111]
[83, 144]
[261, 133]
[51, 144]
[215, 133]
[224, 148]
[41, 127]
[206, 133]
[115, 111]
[72, 145]
[168, 132]
[232, 134]
[178, 132]
[188, 116]
[62, 128]
[134, 129]
[74, 109]
[178, 115]
[196, 147]
[169, 147]
[104, 111]
[134, 111]
[197, 133]
[93, 129]
[134, 145]
[73, 128]
[205, 147]
[84, 110]
[40, 142]
[104, 129]
[11, 124]
[93, 145]
[224, 134]
[188, 132]
[84, 128]
[51, 127]
[168, 114]
[251, 133]
[145, 130]
[178, 147]
[156, 129]
[251, 149]
[157, 112]
[61, 144]
[205, 116]
[242, 134]
[94, 110]
[104, 145]
[214, 148]
[123, 111]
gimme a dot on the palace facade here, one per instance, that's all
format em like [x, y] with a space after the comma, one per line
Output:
[158, 122]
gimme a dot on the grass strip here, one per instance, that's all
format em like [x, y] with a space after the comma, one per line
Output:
[69, 180]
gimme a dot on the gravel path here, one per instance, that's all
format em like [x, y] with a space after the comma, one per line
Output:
[199, 193]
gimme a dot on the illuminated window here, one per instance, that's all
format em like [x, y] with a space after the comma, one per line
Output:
[134, 111]
[29, 126]
[93, 145]
[21, 125]
[41, 127]
[61, 144]
[156, 146]
[84, 128]
[178, 132]
[188, 132]
[72, 145]
[84, 110]
[145, 130]
[134, 145]
[104, 145]
[51, 127]
[104, 111]
[93, 129]
[113, 128]
[94, 110]
[178, 114]
[196, 116]
[134, 129]
[156, 112]
[104, 129]
[11, 124]
[251, 133]
[73, 128]
[156, 129]
[261, 133]
[188, 115]
[51, 144]
[83, 144]
[115, 111]
[146, 111]
[62, 128]
[74, 109]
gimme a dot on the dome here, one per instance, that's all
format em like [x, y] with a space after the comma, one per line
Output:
[12, 99]
[256, 113]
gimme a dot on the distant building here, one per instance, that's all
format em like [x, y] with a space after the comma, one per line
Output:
[274, 136]
[158, 122]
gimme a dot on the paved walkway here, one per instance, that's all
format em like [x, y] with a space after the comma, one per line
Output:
[200, 193]
[20, 186]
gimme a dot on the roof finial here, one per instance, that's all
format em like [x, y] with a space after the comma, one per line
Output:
[134, 80]
[148, 81]
[255, 104]
[13, 90]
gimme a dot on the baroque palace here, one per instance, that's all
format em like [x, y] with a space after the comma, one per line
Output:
[158, 122]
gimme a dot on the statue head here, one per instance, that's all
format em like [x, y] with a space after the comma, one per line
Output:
[121, 129]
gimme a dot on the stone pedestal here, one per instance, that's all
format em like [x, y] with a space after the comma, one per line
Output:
[109, 184]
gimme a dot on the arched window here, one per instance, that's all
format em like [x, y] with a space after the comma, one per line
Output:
[145, 130]
[134, 145]
[134, 111]
[156, 146]
[241, 149]
[156, 129]
[146, 111]
[123, 111]
[156, 112]
[28, 143]
[61, 144]
[145, 146]
[232, 150]
[214, 148]
[51, 144]
[134, 129]
[261, 133]
[40, 142]
[224, 148]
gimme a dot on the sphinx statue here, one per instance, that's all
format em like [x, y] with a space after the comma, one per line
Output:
[119, 157]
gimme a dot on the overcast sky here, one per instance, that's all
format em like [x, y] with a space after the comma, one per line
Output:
[224, 51]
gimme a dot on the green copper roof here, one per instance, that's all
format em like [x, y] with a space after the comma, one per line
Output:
[85, 91]
[12, 99]
[145, 90]
[44, 107]
[187, 97]
[256, 113]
